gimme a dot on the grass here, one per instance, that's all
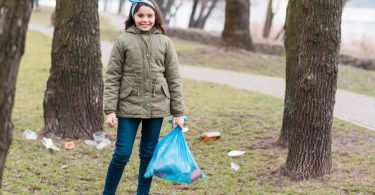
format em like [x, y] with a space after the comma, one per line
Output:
[195, 54]
[247, 121]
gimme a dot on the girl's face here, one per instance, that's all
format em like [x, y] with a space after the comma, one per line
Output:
[144, 18]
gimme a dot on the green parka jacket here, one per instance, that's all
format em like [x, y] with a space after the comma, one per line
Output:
[143, 79]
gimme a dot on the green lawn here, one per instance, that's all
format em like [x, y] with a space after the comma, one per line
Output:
[247, 121]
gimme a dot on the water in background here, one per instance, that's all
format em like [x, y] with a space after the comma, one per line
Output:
[358, 20]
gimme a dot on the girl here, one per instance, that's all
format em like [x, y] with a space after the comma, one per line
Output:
[142, 84]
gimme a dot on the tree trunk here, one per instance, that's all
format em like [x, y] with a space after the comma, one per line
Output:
[36, 2]
[293, 25]
[73, 100]
[168, 9]
[309, 152]
[213, 4]
[161, 6]
[173, 14]
[14, 18]
[105, 5]
[203, 14]
[280, 33]
[236, 29]
[192, 20]
[201, 21]
[269, 18]
[165, 7]
[200, 16]
[121, 6]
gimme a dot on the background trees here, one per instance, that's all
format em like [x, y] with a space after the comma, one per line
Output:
[236, 31]
[206, 7]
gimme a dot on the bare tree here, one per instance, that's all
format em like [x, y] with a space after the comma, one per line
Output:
[206, 8]
[280, 33]
[193, 10]
[73, 100]
[269, 17]
[121, 6]
[166, 8]
[14, 19]
[36, 5]
[237, 25]
[173, 11]
[105, 5]
[319, 38]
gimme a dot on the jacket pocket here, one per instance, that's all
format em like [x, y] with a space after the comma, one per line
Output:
[125, 93]
[165, 89]
[161, 97]
[129, 97]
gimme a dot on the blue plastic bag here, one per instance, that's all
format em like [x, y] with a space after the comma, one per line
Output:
[173, 161]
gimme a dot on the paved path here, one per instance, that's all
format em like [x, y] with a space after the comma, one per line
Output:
[351, 107]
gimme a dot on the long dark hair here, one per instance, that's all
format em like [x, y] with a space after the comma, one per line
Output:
[158, 17]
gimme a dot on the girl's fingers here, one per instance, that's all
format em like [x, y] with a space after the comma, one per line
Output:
[181, 125]
[114, 122]
[110, 122]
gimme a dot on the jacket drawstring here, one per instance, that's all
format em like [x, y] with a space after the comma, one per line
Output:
[138, 87]
[153, 90]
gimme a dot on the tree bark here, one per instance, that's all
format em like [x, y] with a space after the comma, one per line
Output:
[73, 100]
[14, 18]
[269, 18]
[237, 25]
[309, 152]
[293, 25]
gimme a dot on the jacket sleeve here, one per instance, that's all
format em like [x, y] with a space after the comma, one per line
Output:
[112, 82]
[173, 77]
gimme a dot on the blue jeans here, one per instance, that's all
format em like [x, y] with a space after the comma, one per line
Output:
[126, 132]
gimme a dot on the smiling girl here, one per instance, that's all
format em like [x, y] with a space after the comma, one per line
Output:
[142, 85]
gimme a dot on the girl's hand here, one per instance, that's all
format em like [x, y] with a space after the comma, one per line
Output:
[111, 120]
[178, 121]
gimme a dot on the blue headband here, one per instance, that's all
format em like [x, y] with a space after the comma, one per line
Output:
[135, 3]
